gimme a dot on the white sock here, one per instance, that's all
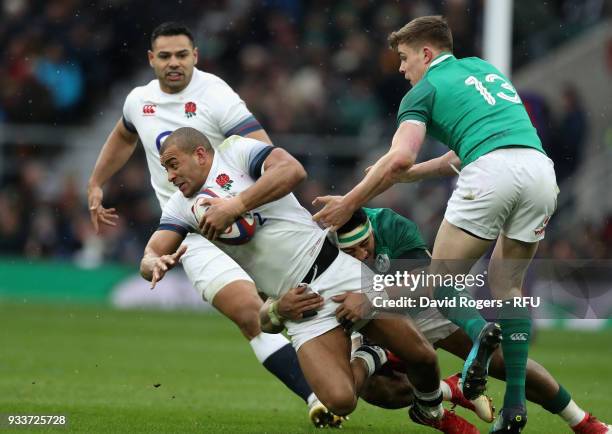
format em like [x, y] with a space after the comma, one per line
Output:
[447, 394]
[369, 360]
[312, 399]
[434, 411]
[265, 344]
[572, 414]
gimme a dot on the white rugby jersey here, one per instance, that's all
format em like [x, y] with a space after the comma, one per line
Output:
[207, 104]
[286, 240]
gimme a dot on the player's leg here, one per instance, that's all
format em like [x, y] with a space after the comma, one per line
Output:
[540, 386]
[400, 336]
[534, 200]
[507, 268]
[391, 390]
[223, 283]
[336, 380]
[455, 252]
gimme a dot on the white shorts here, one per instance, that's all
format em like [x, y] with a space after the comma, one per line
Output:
[344, 274]
[512, 191]
[208, 268]
[432, 324]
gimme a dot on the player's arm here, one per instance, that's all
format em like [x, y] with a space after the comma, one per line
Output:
[448, 164]
[161, 254]
[260, 135]
[388, 170]
[270, 321]
[281, 174]
[292, 305]
[116, 151]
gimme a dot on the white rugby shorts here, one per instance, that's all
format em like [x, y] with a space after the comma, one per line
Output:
[208, 268]
[343, 275]
[512, 191]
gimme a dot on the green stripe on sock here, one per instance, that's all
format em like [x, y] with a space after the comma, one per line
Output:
[516, 334]
[559, 402]
[467, 319]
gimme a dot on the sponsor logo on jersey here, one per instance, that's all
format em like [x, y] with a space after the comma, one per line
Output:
[190, 109]
[224, 181]
[148, 109]
[542, 227]
[518, 337]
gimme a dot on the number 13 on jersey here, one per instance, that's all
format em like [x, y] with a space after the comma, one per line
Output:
[484, 91]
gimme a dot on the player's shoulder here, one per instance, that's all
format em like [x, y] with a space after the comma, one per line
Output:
[235, 141]
[176, 203]
[386, 215]
[208, 82]
[424, 87]
[145, 92]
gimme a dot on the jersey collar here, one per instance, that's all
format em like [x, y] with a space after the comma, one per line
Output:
[441, 58]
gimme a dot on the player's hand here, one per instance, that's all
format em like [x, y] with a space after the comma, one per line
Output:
[354, 307]
[221, 213]
[165, 263]
[296, 301]
[336, 211]
[97, 212]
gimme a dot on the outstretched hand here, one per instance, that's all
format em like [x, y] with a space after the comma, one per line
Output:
[99, 214]
[165, 263]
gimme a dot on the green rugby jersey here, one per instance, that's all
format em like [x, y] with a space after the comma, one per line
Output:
[470, 106]
[395, 235]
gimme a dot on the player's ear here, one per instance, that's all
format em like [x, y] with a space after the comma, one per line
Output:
[150, 55]
[196, 54]
[427, 54]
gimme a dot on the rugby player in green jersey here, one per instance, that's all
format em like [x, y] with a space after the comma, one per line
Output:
[379, 236]
[505, 195]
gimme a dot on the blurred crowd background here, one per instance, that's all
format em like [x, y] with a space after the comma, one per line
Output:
[306, 69]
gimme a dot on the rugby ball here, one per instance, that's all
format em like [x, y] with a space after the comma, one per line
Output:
[239, 232]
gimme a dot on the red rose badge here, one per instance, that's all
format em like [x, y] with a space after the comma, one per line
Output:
[190, 109]
[224, 181]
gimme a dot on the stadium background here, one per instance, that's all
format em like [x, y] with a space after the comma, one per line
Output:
[319, 77]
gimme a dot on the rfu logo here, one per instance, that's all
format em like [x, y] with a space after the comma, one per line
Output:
[518, 336]
[148, 109]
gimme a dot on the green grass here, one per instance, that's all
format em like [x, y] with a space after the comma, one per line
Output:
[99, 367]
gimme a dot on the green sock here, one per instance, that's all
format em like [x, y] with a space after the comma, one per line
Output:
[516, 332]
[559, 402]
[467, 319]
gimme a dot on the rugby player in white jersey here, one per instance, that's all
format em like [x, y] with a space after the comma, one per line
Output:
[183, 96]
[287, 249]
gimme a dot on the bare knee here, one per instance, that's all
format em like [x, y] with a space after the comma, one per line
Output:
[248, 323]
[239, 302]
[340, 401]
[424, 354]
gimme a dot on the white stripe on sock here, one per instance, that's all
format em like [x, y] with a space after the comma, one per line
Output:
[572, 414]
[447, 394]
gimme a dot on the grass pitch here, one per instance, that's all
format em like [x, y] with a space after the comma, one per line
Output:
[177, 372]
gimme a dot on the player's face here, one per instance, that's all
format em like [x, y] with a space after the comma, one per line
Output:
[364, 251]
[187, 172]
[173, 59]
[413, 62]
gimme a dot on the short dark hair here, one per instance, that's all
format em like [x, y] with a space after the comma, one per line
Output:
[171, 28]
[432, 29]
[358, 218]
[187, 139]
